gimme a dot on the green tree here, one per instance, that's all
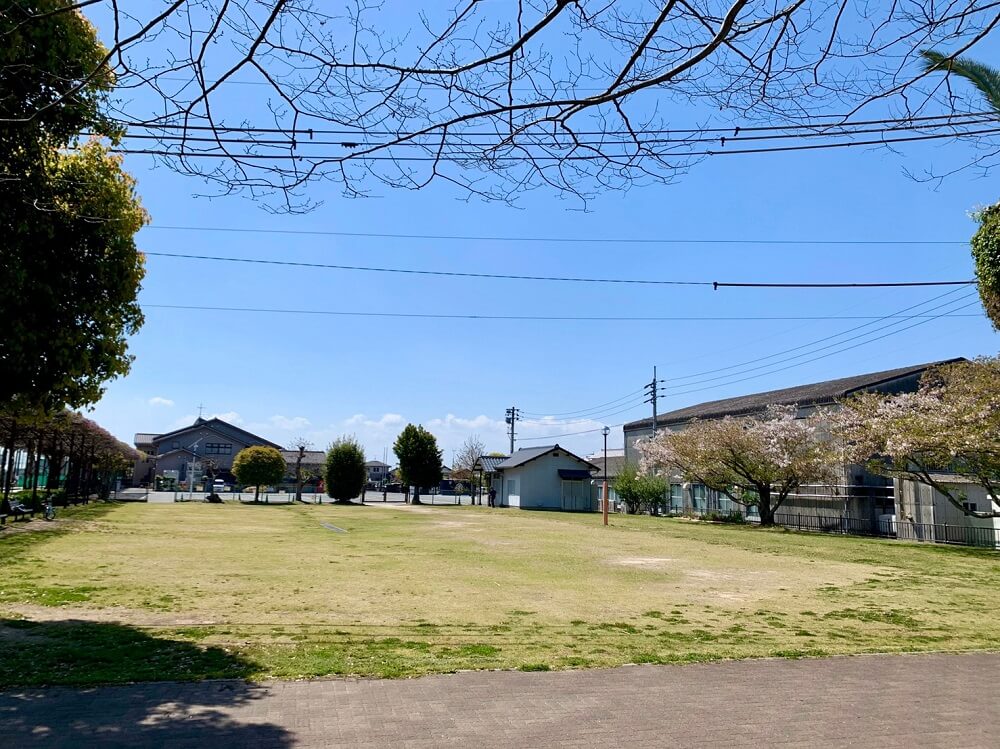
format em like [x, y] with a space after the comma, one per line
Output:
[259, 466]
[986, 241]
[419, 459]
[345, 472]
[638, 491]
[68, 214]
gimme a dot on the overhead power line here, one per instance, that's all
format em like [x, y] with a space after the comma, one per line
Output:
[897, 317]
[525, 318]
[361, 139]
[763, 374]
[592, 408]
[837, 121]
[571, 279]
[470, 156]
[922, 321]
[559, 240]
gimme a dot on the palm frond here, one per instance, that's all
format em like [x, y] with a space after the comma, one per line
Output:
[980, 75]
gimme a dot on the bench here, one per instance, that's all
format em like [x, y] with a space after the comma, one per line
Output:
[22, 511]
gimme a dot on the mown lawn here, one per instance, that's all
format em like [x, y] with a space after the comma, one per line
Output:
[188, 591]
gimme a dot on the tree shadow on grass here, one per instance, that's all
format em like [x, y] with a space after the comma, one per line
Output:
[160, 712]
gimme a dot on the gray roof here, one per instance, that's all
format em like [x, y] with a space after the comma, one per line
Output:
[373, 463]
[489, 463]
[819, 393]
[311, 457]
[220, 427]
[615, 463]
[143, 438]
[527, 454]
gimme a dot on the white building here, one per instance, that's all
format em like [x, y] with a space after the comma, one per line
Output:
[545, 478]
[378, 472]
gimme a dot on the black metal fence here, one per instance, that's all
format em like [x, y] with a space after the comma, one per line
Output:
[940, 533]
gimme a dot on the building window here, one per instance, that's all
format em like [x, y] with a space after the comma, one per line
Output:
[970, 506]
[218, 448]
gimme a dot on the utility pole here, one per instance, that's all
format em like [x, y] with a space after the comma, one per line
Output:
[653, 391]
[512, 415]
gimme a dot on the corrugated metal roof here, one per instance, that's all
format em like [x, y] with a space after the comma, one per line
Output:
[489, 463]
[143, 438]
[525, 454]
[818, 393]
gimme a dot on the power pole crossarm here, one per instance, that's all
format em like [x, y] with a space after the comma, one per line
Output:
[653, 390]
[511, 416]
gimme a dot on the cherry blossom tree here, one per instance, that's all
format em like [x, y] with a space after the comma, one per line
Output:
[754, 460]
[949, 427]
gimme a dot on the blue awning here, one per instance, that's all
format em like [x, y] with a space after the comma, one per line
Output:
[574, 474]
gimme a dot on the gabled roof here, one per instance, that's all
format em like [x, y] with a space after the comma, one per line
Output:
[220, 427]
[615, 463]
[815, 394]
[528, 454]
[310, 457]
[489, 463]
[373, 463]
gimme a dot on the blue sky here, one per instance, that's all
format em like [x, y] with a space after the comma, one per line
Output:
[285, 375]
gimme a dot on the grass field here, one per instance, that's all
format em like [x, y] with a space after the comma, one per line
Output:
[136, 592]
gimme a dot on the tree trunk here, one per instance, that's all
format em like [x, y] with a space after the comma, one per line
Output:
[764, 507]
[55, 468]
[256, 493]
[298, 475]
[416, 496]
[8, 469]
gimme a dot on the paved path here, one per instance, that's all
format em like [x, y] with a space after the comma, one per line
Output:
[869, 701]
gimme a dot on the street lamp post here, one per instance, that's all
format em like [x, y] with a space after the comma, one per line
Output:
[604, 491]
[194, 462]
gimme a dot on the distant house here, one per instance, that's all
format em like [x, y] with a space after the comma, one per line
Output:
[312, 466]
[545, 478]
[859, 495]
[378, 472]
[212, 439]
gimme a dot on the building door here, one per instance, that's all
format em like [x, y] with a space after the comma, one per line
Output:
[575, 495]
[511, 497]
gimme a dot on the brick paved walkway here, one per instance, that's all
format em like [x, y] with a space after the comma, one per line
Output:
[869, 701]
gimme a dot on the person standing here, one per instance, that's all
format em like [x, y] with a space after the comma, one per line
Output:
[492, 501]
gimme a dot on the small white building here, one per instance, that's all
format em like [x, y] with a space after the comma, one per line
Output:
[545, 478]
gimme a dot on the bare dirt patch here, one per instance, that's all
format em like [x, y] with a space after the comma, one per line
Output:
[644, 561]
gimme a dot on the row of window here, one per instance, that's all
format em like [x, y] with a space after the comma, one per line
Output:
[211, 448]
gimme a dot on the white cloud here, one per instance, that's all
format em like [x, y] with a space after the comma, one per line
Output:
[230, 416]
[480, 423]
[362, 420]
[289, 424]
[160, 401]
